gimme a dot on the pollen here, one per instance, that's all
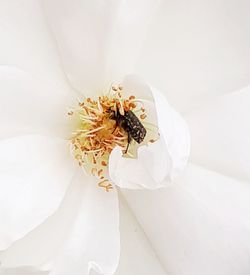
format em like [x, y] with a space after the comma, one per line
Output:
[143, 116]
[96, 132]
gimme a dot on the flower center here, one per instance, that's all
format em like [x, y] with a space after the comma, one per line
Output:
[100, 126]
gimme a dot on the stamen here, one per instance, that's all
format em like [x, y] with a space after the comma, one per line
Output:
[143, 116]
[83, 117]
[108, 186]
[98, 131]
[114, 88]
[121, 107]
[93, 151]
[99, 106]
[104, 163]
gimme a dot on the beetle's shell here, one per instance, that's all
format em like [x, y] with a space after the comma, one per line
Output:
[134, 127]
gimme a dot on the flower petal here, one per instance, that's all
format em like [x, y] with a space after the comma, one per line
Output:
[35, 172]
[21, 271]
[134, 85]
[83, 234]
[99, 41]
[164, 159]
[196, 50]
[220, 132]
[29, 105]
[200, 225]
[175, 132]
[94, 240]
[137, 254]
[147, 171]
[26, 40]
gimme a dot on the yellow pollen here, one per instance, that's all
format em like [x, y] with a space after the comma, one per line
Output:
[105, 184]
[143, 116]
[97, 132]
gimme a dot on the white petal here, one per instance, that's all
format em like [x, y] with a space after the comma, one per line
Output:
[99, 41]
[175, 133]
[134, 85]
[29, 105]
[35, 172]
[200, 225]
[147, 171]
[94, 240]
[220, 134]
[196, 50]
[160, 161]
[83, 234]
[26, 40]
[137, 254]
[21, 271]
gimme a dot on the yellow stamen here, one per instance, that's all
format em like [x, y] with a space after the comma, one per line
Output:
[97, 132]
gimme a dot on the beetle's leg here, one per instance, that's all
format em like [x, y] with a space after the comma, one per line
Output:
[129, 140]
[116, 125]
[114, 117]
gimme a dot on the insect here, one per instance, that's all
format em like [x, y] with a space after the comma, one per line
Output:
[131, 124]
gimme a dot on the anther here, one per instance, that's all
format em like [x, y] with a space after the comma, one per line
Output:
[99, 131]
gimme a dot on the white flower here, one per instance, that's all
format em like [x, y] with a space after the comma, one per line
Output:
[54, 217]
[197, 52]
